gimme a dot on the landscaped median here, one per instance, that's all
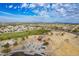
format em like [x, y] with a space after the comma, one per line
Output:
[6, 36]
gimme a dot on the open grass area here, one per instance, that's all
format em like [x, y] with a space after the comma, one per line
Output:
[6, 36]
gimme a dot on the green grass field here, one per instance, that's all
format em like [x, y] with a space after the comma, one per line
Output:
[6, 36]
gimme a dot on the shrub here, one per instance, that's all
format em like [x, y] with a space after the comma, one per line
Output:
[39, 38]
[6, 50]
[62, 34]
[76, 30]
[6, 45]
[45, 43]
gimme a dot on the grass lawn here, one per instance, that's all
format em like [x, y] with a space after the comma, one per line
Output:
[6, 36]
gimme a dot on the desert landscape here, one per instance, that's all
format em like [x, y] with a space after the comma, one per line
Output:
[39, 39]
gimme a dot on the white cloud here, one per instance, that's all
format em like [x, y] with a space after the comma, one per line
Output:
[10, 6]
[54, 6]
[43, 13]
[67, 5]
[62, 11]
[24, 5]
[15, 7]
[41, 4]
[36, 11]
[47, 6]
[32, 5]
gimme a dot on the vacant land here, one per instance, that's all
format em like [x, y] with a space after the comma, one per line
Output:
[39, 39]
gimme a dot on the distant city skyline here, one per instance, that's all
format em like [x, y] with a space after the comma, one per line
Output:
[39, 12]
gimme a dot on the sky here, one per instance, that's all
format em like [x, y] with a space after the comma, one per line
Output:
[39, 12]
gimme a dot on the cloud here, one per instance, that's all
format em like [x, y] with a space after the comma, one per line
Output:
[62, 11]
[54, 12]
[15, 7]
[67, 5]
[55, 6]
[32, 5]
[24, 5]
[48, 6]
[41, 4]
[43, 13]
[10, 6]
[23, 18]
[36, 11]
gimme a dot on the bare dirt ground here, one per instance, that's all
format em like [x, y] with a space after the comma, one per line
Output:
[52, 44]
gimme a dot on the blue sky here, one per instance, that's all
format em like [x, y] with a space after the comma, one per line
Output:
[39, 12]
